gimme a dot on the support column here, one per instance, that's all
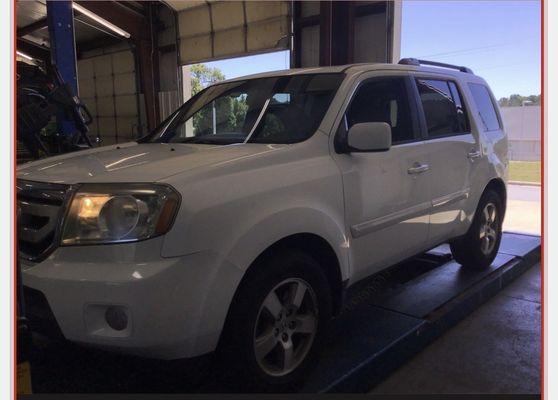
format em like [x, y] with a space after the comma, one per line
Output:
[148, 53]
[336, 32]
[60, 18]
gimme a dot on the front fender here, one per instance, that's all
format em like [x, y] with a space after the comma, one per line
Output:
[279, 225]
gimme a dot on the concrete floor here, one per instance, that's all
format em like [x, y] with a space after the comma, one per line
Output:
[496, 349]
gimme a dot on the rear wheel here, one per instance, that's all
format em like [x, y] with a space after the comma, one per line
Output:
[276, 324]
[478, 248]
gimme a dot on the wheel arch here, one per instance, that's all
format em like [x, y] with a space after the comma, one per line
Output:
[319, 249]
[498, 185]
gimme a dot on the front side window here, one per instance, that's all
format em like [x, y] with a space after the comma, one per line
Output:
[284, 109]
[486, 107]
[443, 108]
[383, 100]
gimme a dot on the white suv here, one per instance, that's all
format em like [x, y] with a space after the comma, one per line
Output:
[240, 222]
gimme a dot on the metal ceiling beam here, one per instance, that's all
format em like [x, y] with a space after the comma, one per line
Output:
[34, 50]
[119, 15]
[95, 44]
[37, 25]
[33, 27]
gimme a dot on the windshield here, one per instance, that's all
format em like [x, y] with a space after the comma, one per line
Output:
[285, 109]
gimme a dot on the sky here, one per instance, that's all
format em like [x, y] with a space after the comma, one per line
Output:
[498, 40]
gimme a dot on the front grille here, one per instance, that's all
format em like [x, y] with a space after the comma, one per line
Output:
[40, 208]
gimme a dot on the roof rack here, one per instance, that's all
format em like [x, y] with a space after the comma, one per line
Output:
[418, 63]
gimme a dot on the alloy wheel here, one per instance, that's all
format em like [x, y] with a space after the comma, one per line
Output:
[286, 326]
[489, 228]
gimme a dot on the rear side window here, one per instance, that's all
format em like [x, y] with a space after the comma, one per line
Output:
[486, 107]
[443, 108]
[383, 100]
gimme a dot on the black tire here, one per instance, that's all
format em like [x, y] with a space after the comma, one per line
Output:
[472, 251]
[237, 355]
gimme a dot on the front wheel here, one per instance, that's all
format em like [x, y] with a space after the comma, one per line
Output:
[478, 248]
[276, 323]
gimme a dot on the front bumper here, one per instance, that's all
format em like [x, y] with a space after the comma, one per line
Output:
[175, 307]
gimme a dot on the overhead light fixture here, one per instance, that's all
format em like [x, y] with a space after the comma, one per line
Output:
[100, 20]
[26, 56]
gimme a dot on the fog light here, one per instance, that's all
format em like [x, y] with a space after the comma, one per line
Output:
[116, 318]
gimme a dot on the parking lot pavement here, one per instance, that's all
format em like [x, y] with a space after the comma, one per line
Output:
[524, 209]
[496, 349]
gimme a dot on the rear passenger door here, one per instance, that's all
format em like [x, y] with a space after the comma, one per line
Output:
[453, 151]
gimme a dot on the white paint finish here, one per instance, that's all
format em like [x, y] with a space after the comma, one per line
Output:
[175, 305]
[386, 208]
[135, 162]
[450, 180]
[238, 200]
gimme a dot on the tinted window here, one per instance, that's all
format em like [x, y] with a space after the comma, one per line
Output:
[485, 105]
[443, 108]
[383, 100]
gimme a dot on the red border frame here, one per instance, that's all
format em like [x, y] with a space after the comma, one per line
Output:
[543, 308]
[14, 193]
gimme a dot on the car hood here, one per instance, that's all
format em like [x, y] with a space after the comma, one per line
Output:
[133, 162]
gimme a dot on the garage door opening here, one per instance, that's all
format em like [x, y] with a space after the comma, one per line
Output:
[198, 76]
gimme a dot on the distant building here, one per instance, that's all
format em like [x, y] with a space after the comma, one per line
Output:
[523, 126]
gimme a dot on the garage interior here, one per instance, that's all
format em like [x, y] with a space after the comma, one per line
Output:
[127, 61]
[130, 77]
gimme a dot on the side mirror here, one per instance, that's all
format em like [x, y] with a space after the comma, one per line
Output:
[369, 137]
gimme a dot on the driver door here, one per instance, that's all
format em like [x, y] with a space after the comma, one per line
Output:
[387, 199]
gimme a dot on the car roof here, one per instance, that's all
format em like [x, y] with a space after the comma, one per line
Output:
[355, 69]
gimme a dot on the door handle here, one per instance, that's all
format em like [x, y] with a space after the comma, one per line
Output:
[473, 154]
[418, 169]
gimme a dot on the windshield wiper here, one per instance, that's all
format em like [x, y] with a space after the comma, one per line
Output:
[213, 140]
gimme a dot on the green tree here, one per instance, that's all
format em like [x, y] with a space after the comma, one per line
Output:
[202, 76]
[517, 100]
[231, 111]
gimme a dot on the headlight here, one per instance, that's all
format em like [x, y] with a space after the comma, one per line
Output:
[116, 213]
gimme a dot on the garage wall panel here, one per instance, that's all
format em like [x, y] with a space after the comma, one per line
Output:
[193, 49]
[262, 10]
[86, 87]
[105, 106]
[86, 69]
[126, 106]
[227, 14]
[123, 62]
[310, 46]
[108, 87]
[370, 41]
[195, 21]
[125, 84]
[104, 86]
[266, 35]
[102, 65]
[229, 42]
[220, 29]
